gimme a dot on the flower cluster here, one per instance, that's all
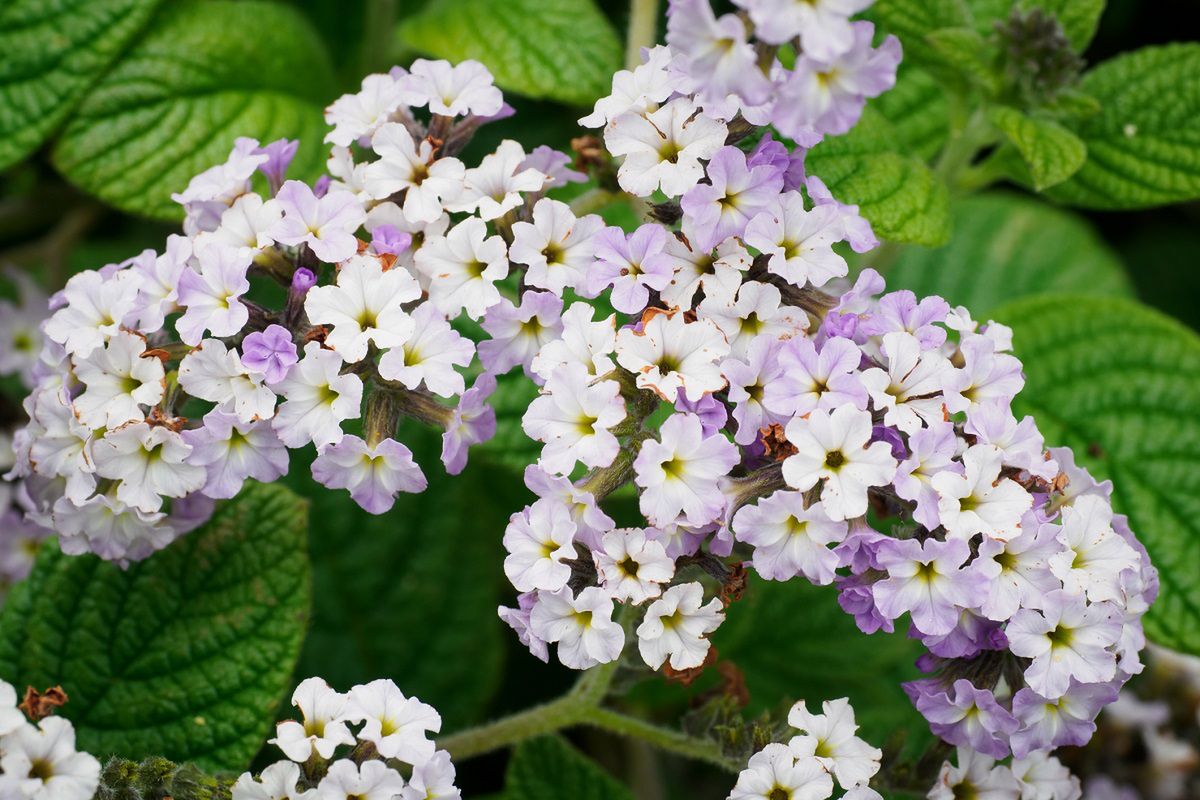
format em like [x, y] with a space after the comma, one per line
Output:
[389, 757]
[163, 385]
[38, 761]
[826, 751]
[1037, 776]
[760, 406]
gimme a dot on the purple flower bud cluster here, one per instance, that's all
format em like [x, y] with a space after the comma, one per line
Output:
[163, 384]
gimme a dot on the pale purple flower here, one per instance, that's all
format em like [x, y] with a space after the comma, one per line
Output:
[735, 195]
[829, 94]
[813, 379]
[969, 717]
[1021, 444]
[270, 352]
[555, 165]
[373, 474]
[632, 265]
[972, 635]
[390, 240]
[858, 230]
[748, 379]
[715, 53]
[519, 620]
[472, 422]
[856, 599]
[926, 579]
[986, 374]
[823, 26]
[1017, 571]
[231, 451]
[279, 155]
[900, 311]
[211, 292]
[798, 242]
[590, 520]
[326, 224]
[518, 332]
[1068, 721]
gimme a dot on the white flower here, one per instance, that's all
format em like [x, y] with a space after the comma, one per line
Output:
[1093, 555]
[748, 378]
[557, 247]
[909, 391]
[494, 187]
[697, 266]
[374, 780]
[158, 281]
[790, 539]
[318, 399]
[354, 116]
[810, 379]
[326, 224]
[663, 148]
[677, 625]
[11, 717]
[277, 782]
[109, 528]
[346, 174]
[757, 310]
[404, 165]
[210, 292]
[462, 268]
[582, 626]
[830, 738]
[43, 761]
[429, 355]
[518, 332]
[324, 725]
[212, 191]
[454, 90]
[538, 540]
[976, 776]
[632, 568]
[774, 772]
[573, 417]
[63, 445]
[582, 342]
[372, 474]
[365, 307]
[1043, 777]
[639, 90]
[150, 463]
[121, 381]
[232, 450]
[979, 500]
[799, 243]
[836, 448]
[671, 355]
[96, 308]
[395, 724]
[245, 224]
[214, 373]
[1067, 639]
[680, 473]
[432, 780]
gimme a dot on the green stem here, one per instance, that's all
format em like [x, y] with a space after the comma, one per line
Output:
[642, 31]
[672, 741]
[548, 718]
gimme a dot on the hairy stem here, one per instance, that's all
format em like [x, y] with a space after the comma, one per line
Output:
[548, 718]
[642, 31]
[672, 741]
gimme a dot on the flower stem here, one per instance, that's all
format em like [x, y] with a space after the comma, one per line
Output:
[672, 741]
[548, 718]
[642, 31]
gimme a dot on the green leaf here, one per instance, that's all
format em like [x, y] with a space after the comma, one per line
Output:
[557, 49]
[917, 108]
[52, 53]
[1119, 383]
[411, 595]
[913, 20]
[1050, 152]
[782, 637]
[547, 768]
[184, 655]
[1079, 18]
[206, 74]
[898, 194]
[1144, 145]
[1008, 246]
[968, 54]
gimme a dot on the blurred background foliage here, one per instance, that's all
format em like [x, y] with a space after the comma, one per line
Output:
[143, 94]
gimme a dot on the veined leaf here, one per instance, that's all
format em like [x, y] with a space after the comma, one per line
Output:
[185, 655]
[1050, 152]
[173, 106]
[547, 768]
